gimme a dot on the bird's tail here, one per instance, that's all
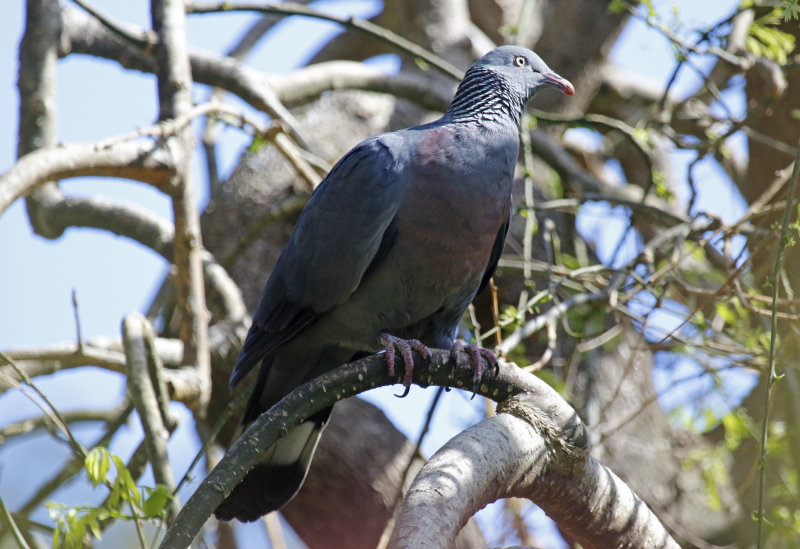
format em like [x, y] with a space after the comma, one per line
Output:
[278, 476]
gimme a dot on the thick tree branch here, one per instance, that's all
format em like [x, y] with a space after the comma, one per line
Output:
[289, 8]
[174, 93]
[525, 452]
[266, 93]
[38, 53]
[141, 161]
[348, 381]
[142, 386]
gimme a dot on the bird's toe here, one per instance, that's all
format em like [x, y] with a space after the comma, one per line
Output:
[394, 344]
[478, 355]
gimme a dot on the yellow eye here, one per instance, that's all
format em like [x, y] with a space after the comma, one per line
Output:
[520, 61]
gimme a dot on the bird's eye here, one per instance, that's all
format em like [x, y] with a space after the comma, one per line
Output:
[520, 61]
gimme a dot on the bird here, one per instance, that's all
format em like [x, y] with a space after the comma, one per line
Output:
[388, 253]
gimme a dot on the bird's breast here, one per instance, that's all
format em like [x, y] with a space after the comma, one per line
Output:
[458, 198]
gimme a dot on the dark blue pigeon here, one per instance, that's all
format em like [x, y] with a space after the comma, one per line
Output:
[389, 252]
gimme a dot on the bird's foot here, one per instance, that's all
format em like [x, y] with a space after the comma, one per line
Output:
[477, 356]
[393, 344]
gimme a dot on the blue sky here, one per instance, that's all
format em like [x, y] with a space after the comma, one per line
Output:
[113, 276]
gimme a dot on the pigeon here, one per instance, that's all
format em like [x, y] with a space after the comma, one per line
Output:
[388, 253]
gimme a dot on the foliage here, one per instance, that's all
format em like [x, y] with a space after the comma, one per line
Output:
[75, 524]
[766, 40]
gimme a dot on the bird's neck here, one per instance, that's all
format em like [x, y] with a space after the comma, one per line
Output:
[485, 96]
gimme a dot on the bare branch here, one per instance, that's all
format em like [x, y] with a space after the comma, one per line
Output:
[347, 381]
[48, 409]
[174, 93]
[526, 451]
[29, 425]
[289, 8]
[135, 332]
[140, 161]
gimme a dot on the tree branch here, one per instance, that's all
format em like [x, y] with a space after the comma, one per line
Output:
[266, 93]
[142, 386]
[140, 161]
[289, 8]
[108, 354]
[347, 381]
[525, 452]
[174, 93]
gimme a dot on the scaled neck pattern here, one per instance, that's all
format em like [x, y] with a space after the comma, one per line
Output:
[485, 96]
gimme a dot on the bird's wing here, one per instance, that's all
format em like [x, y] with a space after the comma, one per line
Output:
[343, 230]
[494, 258]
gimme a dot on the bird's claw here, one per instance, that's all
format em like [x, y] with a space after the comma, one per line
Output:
[476, 354]
[393, 344]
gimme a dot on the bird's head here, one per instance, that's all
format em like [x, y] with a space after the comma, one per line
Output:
[499, 84]
[523, 70]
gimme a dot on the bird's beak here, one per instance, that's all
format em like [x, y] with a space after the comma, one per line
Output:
[561, 83]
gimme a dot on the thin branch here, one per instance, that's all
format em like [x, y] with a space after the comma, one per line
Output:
[783, 236]
[371, 29]
[11, 525]
[555, 312]
[29, 425]
[48, 409]
[137, 39]
[75, 465]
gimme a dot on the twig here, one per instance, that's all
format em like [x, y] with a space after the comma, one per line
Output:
[78, 335]
[142, 42]
[49, 410]
[531, 224]
[12, 526]
[75, 465]
[773, 337]
[555, 312]
[31, 424]
[232, 408]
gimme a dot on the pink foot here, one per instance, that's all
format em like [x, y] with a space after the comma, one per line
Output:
[477, 355]
[393, 344]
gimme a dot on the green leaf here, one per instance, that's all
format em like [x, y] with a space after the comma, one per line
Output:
[766, 40]
[726, 312]
[156, 502]
[259, 142]
[57, 531]
[97, 464]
